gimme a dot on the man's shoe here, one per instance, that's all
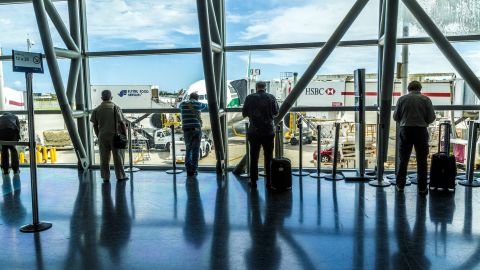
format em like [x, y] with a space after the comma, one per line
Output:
[123, 179]
[191, 173]
[6, 171]
[399, 189]
[16, 172]
[423, 192]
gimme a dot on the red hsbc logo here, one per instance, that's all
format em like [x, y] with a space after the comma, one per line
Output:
[313, 91]
[330, 91]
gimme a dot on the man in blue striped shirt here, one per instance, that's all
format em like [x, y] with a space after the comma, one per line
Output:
[192, 131]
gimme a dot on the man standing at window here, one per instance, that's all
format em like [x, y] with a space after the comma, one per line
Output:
[260, 108]
[414, 112]
[10, 131]
[103, 119]
[192, 131]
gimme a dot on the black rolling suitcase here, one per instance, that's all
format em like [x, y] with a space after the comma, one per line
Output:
[280, 168]
[443, 169]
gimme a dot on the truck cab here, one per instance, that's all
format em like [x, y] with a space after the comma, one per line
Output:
[162, 138]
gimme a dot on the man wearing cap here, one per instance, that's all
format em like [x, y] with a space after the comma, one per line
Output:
[414, 112]
[9, 131]
[260, 108]
[103, 120]
[192, 131]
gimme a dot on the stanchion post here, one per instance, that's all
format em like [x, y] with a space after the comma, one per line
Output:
[174, 169]
[247, 172]
[37, 226]
[472, 147]
[300, 171]
[318, 173]
[130, 151]
[334, 176]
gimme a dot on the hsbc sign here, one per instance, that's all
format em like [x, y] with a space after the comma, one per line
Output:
[314, 91]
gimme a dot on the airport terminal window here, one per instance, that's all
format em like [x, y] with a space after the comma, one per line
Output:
[271, 22]
[15, 31]
[146, 82]
[452, 17]
[332, 87]
[133, 25]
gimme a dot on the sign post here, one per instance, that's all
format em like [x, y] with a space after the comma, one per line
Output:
[30, 63]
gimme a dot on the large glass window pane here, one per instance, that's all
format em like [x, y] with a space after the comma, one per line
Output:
[274, 21]
[18, 23]
[146, 24]
[332, 86]
[146, 82]
[152, 140]
[459, 17]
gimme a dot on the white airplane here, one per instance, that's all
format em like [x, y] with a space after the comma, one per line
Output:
[10, 99]
[233, 101]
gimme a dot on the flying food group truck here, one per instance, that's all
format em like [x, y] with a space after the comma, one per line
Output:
[130, 96]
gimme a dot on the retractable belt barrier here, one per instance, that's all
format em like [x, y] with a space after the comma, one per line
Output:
[335, 176]
[300, 171]
[471, 180]
[174, 169]
[247, 172]
[318, 173]
[130, 152]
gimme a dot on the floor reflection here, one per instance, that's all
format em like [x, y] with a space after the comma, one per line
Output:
[194, 228]
[265, 252]
[13, 211]
[116, 221]
[411, 244]
[82, 246]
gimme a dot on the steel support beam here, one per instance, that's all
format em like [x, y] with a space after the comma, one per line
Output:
[315, 65]
[67, 53]
[60, 26]
[444, 45]
[209, 72]
[84, 83]
[78, 87]
[214, 26]
[50, 56]
[386, 82]
[73, 80]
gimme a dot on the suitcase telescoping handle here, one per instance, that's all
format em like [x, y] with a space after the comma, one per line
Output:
[278, 140]
[447, 127]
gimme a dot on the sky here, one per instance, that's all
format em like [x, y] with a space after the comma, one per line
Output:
[151, 24]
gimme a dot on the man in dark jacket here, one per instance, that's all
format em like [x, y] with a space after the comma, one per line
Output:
[414, 112]
[260, 108]
[9, 131]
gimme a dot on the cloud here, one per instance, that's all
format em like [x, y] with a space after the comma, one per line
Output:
[314, 21]
[151, 22]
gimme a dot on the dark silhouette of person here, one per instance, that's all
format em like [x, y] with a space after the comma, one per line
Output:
[195, 227]
[265, 252]
[82, 251]
[116, 221]
[13, 211]
[411, 244]
[219, 258]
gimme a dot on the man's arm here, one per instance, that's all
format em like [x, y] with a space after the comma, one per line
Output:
[396, 113]
[274, 106]
[245, 107]
[123, 127]
[430, 112]
[93, 119]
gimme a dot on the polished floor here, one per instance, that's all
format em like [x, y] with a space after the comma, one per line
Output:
[158, 221]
